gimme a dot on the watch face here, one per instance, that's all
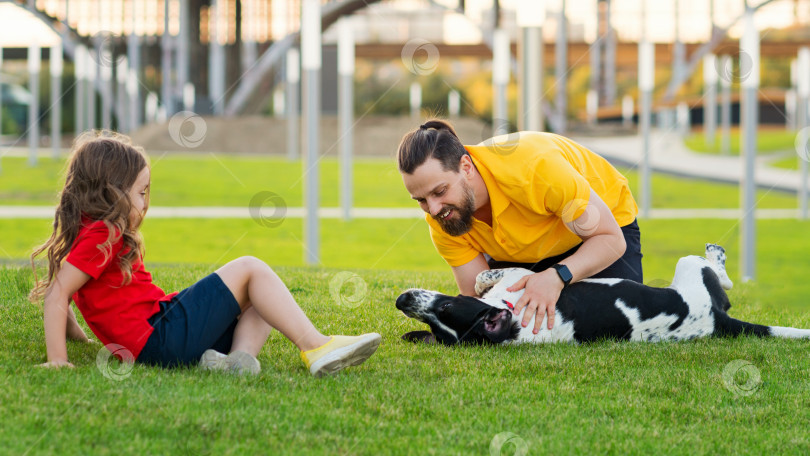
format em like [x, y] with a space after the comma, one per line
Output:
[564, 273]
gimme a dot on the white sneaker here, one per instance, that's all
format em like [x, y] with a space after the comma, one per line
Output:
[238, 362]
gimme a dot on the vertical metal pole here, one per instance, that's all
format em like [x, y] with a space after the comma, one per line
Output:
[79, 68]
[453, 104]
[725, 108]
[610, 57]
[311, 68]
[803, 90]
[415, 100]
[791, 102]
[216, 59]
[106, 61]
[189, 96]
[1, 110]
[166, 92]
[678, 51]
[595, 54]
[183, 53]
[627, 111]
[346, 112]
[34, 64]
[646, 83]
[249, 53]
[56, 66]
[121, 98]
[500, 78]
[710, 103]
[749, 46]
[293, 116]
[561, 70]
[91, 72]
[134, 56]
[530, 17]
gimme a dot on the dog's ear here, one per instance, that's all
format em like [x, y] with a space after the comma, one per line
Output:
[417, 337]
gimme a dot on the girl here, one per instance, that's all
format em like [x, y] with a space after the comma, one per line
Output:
[95, 257]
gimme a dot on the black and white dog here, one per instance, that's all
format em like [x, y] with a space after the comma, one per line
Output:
[694, 305]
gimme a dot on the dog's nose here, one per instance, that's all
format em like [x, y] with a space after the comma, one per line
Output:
[404, 300]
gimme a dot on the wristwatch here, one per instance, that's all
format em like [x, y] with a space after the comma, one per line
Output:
[564, 273]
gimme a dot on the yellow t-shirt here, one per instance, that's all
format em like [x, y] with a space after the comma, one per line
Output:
[536, 183]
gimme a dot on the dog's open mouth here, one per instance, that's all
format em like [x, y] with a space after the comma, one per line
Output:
[496, 321]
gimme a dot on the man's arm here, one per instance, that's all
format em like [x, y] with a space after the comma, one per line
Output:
[603, 244]
[55, 312]
[466, 273]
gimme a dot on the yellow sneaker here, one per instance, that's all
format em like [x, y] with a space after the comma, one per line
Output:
[339, 353]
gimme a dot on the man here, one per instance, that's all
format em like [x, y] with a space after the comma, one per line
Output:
[529, 199]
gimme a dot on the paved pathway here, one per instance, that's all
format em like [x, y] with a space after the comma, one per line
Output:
[670, 155]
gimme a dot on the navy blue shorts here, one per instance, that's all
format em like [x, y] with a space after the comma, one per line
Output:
[200, 317]
[626, 267]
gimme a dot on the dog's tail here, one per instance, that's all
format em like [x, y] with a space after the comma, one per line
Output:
[731, 327]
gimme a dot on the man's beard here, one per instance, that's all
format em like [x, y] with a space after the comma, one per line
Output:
[460, 222]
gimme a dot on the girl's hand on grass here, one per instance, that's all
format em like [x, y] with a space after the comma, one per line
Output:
[57, 364]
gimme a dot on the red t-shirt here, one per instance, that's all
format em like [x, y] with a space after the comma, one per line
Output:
[117, 313]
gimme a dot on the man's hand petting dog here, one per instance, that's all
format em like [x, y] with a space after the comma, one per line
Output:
[542, 290]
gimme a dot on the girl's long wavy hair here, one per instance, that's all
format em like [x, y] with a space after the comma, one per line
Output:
[101, 170]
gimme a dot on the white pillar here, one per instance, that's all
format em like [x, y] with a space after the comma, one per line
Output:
[415, 100]
[628, 108]
[216, 59]
[105, 66]
[293, 115]
[710, 96]
[500, 79]
[79, 69]
[1, 112]
[802, 121]
[530, 17]
[561, 70]
[189, 96]
[311, 66]
[121, 97]
[57, 67]
[34, 64]
[646, 84]
[90, 74]
[749, 46]
[453, 104]
[725, 106]
[346, 63]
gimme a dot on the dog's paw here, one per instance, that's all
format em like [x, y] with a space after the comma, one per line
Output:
[418, 337]
[717, 258]
[487, 279]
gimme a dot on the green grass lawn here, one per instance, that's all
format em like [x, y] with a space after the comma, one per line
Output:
[768, 141]
[216, 180]
[611, 398]
[669, 398]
